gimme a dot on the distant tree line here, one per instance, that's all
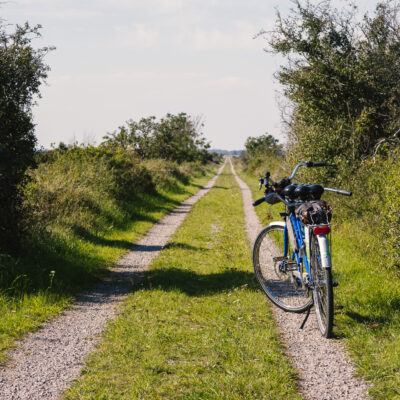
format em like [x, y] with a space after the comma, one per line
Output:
[227, 152]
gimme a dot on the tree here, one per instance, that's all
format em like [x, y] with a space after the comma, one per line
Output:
[262, 146]
[343, 79]
[175, 137]
[22, 70]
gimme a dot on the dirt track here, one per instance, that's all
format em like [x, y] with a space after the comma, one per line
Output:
[45, 363]
[326, 373]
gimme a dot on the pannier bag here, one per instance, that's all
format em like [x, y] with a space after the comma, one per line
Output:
[315, 212]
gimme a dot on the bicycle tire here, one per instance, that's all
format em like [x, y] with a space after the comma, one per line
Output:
[323, 290]
[276, 280]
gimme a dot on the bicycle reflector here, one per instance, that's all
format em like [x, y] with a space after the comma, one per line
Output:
[322, 230]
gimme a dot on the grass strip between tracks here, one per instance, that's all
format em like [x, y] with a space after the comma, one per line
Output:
[88, 259]
[369, 322]
[198, 327]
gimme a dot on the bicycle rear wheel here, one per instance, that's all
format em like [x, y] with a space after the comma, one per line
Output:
[323, 290]
[279, 276]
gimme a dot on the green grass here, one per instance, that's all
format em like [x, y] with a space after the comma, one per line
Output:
[79, 257]
[198, 327]
[369, 322]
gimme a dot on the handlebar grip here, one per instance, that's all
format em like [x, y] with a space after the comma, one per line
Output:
[310, 164]
[320, 164]
[339, 191]
[259, 201]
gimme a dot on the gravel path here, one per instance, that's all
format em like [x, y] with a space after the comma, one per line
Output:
[326, 373]
[47, 361]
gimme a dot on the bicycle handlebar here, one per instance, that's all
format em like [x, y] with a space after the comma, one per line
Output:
[262, 199]
[308, 164]
[259, 201]
[317, 164]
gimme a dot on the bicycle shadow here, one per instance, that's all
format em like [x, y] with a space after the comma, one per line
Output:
[194, 284]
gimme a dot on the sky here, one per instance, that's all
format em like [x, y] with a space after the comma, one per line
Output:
[117, 60]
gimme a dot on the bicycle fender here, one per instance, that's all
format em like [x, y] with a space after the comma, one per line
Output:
[279, 223]
[324, 250]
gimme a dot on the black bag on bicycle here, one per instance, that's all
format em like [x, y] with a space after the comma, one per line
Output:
[276, 188]
[271, 199]
[315, 212]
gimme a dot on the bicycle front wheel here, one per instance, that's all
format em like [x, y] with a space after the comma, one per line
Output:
[280, 277]
[323, 290]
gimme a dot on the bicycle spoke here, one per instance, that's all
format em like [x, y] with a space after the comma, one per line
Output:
[323, 291]
[276, 277]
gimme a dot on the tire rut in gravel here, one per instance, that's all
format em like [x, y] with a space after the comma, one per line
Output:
[46, 361]
[325, 370]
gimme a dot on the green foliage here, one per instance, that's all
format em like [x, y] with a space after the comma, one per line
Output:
[343, 80]
[390, 229]
[263, 153]
[198, 328]
[82, 209]
[262, 146]
[165, 174]
[174, 138]
[368, 288]
[21, 72]
[79, 187]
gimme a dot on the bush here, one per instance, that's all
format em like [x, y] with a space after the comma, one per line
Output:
[66, 191]
[165, 174]
[88, 187]
[390, 229]
[342, 78]
[21, 72]
[78, 185]
[174, 138]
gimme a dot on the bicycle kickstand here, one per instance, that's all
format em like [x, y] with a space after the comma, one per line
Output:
[306, 317]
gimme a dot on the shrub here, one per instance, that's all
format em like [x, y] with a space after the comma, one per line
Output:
[21, 72]
[390, 229]
[165, 174]
[174, 138]
[342, 79]
[67, 191]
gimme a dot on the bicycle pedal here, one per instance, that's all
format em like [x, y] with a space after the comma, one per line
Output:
[338, 307]
[292, 263]
[335, 283]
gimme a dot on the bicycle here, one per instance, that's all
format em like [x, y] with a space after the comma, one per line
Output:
[291, 259]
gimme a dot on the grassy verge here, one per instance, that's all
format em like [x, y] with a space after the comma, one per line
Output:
[369, 322]
[79, 257]
[198, 328]
[265, 212]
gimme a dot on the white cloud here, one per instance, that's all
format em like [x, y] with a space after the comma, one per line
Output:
[136, 36]
[168, 5]
[238, 35]
[234, 82]
[66, 14]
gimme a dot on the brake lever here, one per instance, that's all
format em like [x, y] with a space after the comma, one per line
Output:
[261, 183]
